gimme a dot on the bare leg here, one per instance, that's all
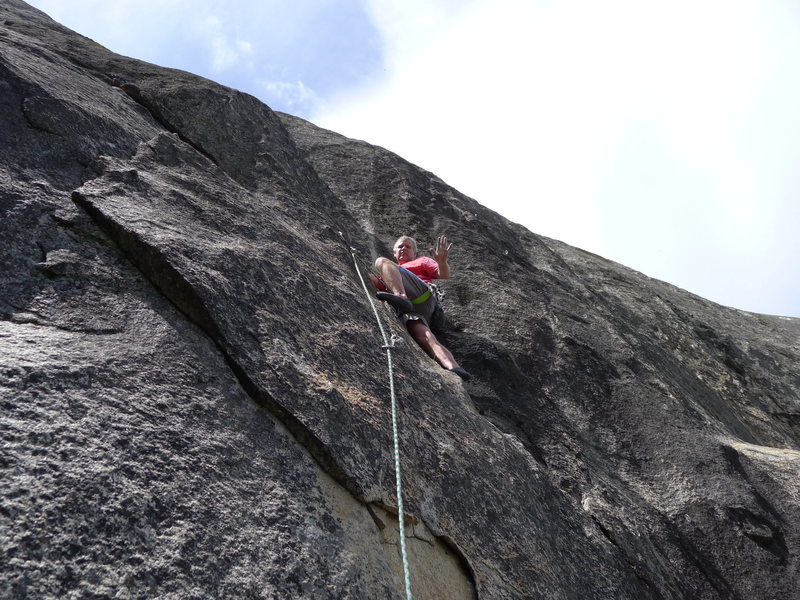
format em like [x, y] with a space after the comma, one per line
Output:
[391, 276]
[417, 329]
[432, 347]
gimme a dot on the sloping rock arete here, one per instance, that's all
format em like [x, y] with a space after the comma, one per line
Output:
[195, 403]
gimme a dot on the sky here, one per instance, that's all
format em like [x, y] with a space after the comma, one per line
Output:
[661, 135]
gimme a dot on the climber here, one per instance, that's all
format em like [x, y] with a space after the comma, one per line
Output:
[404, 285]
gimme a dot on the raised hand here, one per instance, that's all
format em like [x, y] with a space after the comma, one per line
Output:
[442, 250]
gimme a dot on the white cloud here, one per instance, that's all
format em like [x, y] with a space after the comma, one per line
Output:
[324, 44]
[225, 52]
[294, 94]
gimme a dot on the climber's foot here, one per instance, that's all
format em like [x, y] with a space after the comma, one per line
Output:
[463, 373]
[403, 305]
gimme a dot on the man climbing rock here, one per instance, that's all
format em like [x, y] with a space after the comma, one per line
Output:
[404, 286]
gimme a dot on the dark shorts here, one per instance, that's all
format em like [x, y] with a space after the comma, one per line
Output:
[415, 288]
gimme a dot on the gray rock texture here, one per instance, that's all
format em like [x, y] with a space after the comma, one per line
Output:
[195, 402]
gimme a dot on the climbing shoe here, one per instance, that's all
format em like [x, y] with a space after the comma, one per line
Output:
[463, 373]
[402, 305]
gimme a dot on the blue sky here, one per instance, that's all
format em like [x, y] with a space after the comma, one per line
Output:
[664, 136]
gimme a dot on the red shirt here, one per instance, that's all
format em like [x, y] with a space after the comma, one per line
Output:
[423, 267]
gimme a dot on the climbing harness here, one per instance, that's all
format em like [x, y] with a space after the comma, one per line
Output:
[422, 298]
[433, 290]
[389, 344]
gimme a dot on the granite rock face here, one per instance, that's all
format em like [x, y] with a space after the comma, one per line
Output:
[195, 402]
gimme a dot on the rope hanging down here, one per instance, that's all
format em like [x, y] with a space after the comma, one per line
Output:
[388, 345]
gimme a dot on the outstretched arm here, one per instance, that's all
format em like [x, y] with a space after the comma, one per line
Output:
[440, 255]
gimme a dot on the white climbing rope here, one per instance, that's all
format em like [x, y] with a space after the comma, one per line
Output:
[388, 344]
